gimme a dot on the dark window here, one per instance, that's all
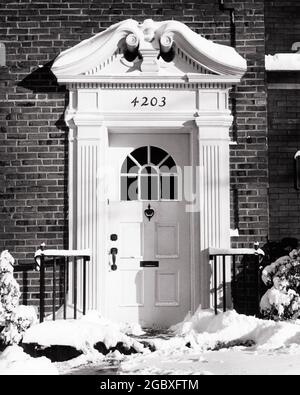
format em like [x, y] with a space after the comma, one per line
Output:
[157, 155]
[140, 155]
[149, 173]
[129, 166]
[168, 166]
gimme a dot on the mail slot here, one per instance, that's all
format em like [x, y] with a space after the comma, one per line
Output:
[149, 263]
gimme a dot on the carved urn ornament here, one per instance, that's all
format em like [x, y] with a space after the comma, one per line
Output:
[147, 43]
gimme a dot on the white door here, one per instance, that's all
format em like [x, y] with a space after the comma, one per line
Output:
[148, 229]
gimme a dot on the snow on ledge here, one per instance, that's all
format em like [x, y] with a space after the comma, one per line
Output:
[283, 62]
[70, 253]
[87, 253]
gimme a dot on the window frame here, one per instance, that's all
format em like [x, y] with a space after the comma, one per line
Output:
[158, 174]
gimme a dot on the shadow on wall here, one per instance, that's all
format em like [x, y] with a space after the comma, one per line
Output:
[42, 82]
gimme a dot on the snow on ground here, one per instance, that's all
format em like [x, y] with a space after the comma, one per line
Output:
[202, 344]
[276, 347]
[85, 365]
[205, 330]
[84, 333]
[14, 361]
[233, 361]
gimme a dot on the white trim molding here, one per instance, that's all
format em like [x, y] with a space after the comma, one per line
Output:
[186, 95]
[214, 193]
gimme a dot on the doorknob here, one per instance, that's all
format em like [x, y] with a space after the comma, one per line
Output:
[114, 252]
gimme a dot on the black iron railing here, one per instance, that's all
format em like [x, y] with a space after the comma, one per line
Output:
[219, 258]
[54, 258]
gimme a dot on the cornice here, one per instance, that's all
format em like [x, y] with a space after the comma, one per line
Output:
[141, 80]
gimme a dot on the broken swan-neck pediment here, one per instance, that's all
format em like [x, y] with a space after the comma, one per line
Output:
[130, 48]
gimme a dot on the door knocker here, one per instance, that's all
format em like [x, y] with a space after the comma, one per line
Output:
[149, 212]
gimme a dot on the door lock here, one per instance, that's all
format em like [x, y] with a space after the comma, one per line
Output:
[113, 252]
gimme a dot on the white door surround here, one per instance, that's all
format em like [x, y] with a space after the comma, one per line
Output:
[110, 94]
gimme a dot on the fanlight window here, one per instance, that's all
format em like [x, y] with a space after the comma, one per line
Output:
[149, 173]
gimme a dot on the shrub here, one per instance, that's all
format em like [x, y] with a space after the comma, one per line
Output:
[15, 319]
[282, 300]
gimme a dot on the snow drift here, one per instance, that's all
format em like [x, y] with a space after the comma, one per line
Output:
[205, 330]
[84, 334]
[14, 361]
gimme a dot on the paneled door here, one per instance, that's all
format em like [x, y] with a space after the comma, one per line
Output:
[148, 261]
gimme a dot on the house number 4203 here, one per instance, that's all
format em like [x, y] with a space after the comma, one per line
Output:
[149, 101]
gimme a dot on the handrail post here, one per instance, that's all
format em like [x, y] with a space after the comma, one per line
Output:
[54, 289]
[215, 286]
[258, 283]
[66, 277]
[244, 287]
[42, 288]
[233, 278]
[224, 283]
[84, 286]
[75, 287]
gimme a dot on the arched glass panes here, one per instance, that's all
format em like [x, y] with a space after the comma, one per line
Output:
[149, 173]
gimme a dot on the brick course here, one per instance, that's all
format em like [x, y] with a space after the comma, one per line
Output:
[282, 29]
[33, 135]
[282, 25]
[284, 141]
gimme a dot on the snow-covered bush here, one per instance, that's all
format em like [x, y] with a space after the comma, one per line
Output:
[282, 300]
[14, 319]
[9, 288]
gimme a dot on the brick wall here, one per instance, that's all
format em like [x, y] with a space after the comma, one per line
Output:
[282, 25]
[282, 29]
[284, 141]
[249, 168]
[33, 136]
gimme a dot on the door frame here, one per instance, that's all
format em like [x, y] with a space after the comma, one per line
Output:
[209, 151]
[191, 133]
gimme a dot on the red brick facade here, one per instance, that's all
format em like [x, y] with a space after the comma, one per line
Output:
[33, 200]
[284, 141]
[282, 30]
[282, 19]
